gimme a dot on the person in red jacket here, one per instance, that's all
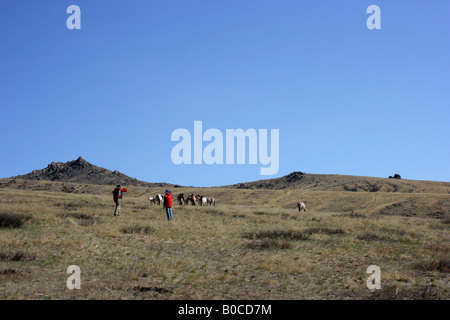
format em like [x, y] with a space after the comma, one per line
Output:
[168, 204]
[117, 196]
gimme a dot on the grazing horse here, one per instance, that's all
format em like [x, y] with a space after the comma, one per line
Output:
[181, 199]
[152, 200]
[211, 201]
[159, 199]
[201, 200]
[301, 206]
[191, 199]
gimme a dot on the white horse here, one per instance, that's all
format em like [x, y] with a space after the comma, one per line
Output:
[159, 198]
[211, 201]
[152, 200]
[301, 206]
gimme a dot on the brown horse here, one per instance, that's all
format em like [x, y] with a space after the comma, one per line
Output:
[181, 199]
[191, 199]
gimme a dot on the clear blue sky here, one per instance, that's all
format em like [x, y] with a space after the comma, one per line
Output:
[346, 99]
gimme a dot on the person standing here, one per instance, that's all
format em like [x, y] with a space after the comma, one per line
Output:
[117, 196]
[168, 205]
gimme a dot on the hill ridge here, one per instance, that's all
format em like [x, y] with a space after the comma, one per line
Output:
[82, 171]
[299, 180]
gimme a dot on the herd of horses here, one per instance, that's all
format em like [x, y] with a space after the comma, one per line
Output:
[200, 200]
[185, 199]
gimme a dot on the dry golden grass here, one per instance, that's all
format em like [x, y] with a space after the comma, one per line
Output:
[253, 244]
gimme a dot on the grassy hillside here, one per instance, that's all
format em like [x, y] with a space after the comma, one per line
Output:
[330, 182]
[253, 245]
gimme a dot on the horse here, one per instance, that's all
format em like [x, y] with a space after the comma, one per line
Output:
[159, 198]
[191, 199]
[152, 200]
[301, 206]
[181, 199]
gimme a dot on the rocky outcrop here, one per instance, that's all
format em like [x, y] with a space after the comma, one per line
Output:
[82, 171]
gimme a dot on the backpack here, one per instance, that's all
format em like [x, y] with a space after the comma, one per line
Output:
[116, 192]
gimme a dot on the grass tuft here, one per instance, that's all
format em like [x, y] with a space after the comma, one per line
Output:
[442, 249]
[323, 230]
[351, 215]
[276, 234]
[442, 265]
[83, 218]
[137, 229]
[391, 292]
[79, 216]
[13, 220]
[369, 237]
[152, 289]
[214, 212]
[16, 256]
[268, 244]
[8, 272]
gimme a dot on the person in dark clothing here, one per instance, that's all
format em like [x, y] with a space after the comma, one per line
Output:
[168, 205]
[117, 196]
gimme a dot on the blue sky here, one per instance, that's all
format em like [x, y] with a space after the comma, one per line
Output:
[346, 99]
